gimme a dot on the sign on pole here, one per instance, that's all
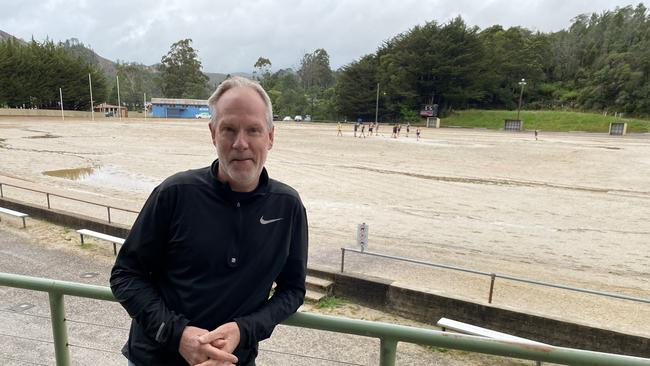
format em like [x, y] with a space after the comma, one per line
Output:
[362, 236]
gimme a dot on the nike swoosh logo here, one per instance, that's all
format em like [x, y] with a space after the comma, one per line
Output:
[264, 222]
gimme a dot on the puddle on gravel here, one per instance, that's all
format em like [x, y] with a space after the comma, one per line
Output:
[106, 177]
[72, 174]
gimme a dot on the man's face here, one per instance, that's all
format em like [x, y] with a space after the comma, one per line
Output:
[242, 138]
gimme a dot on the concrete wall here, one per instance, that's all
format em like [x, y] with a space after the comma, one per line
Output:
[429, 308]
[47, 113]
[425, 307]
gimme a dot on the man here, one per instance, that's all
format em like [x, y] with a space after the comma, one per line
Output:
[196, 270]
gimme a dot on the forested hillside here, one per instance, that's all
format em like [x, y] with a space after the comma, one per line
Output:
[601, 63]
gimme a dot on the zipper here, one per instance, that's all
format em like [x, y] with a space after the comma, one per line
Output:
[233, 258]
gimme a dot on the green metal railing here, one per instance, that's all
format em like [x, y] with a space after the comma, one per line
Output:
[388, 334]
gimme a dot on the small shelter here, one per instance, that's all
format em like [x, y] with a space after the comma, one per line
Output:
[110, 110]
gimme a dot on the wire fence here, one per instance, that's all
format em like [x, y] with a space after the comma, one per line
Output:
[493, 276]
[49, 204]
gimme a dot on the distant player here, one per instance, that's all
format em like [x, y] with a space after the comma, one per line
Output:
[394, 135]
[408, 129]
[356, 127]
[339, 132]
[372, 124]
[535, 135]
[417, 134]
[363, 131]
[399, 129]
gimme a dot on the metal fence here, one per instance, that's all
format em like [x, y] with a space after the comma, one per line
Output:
[493, 276]
[388, 334]
[49, 206]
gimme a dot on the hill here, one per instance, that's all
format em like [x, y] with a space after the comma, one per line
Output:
[76, 47]
[5, 36]
[215, 78]
[541, 120]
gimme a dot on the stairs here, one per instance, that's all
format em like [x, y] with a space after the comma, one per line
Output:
[317, 288]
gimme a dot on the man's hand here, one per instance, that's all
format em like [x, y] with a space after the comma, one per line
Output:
[196, 352]
[225, 337]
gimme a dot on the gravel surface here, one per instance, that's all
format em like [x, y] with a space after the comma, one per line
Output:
[98, 329]
[571, 208]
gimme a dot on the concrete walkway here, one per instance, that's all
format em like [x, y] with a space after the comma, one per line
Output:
[98, 329]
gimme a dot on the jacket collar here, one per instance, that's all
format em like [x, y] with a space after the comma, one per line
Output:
[224, 187]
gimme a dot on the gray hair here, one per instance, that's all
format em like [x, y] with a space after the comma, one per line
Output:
[239, 82]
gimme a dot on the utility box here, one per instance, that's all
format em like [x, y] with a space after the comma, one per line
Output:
[513, 124]
[618, 128]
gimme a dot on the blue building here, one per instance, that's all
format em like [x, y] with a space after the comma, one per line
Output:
[179, 108]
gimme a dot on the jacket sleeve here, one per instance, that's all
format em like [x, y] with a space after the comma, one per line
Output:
[134, 276]
[289, 292]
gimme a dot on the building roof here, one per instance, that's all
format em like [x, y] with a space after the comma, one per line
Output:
[179, 101]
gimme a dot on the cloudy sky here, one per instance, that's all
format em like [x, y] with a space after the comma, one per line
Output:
[231, 34]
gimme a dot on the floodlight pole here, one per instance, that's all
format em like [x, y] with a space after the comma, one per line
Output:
[119, 102]
[521, 95]
[92, 107]
[377, 105]
[61, 98]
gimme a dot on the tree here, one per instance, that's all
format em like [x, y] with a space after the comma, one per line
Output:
[315, 70]
[355, 90]
[32, 74]
[262, 68]
[181, 74]
[135, 80]
[287, 95]
[315, 76]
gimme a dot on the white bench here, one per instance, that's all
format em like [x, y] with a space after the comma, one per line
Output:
[113, 239]
[14, 213]
[465, 328]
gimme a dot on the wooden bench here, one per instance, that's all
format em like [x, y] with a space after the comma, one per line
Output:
[465, 328]
[113, 239]
[14, 213]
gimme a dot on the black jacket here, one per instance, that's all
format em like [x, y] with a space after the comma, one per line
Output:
[198, 254]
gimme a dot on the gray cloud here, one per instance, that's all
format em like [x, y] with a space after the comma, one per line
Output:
[230, 35]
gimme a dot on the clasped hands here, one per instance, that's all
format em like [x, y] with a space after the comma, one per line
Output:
[210, 348]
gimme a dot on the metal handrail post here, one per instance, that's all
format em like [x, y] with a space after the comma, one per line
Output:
[59, 331]
[387, 352]
[492, 278]
[342, 259]
[48, 200]
[109, 214]
[1, 195]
